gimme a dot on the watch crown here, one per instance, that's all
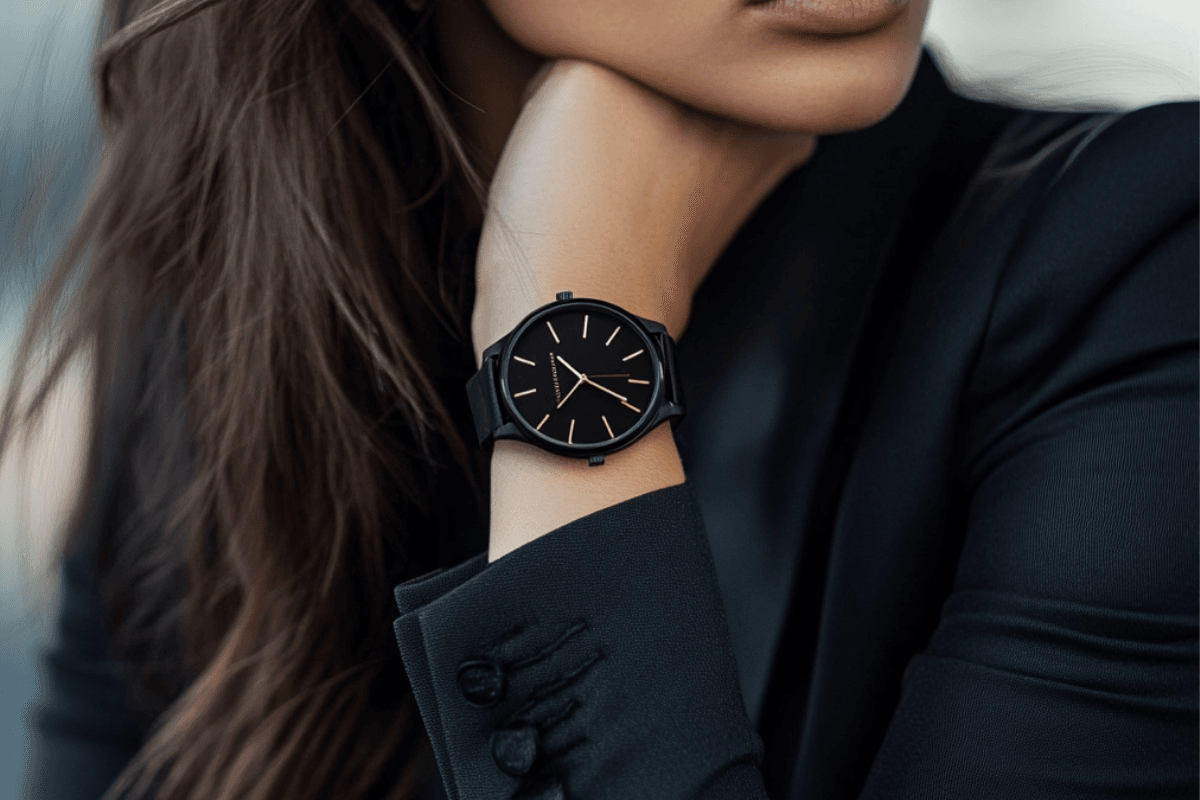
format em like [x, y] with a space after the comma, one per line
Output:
[563, 296]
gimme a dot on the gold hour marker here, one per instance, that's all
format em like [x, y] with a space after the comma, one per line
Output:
[610, 338]
[631, 355]
[611, 435]
[585, 316]
[527, 391]
[552, 333]
[635, 408]
[543, 422]
[571, 432]
[524, 361]
[635, 380]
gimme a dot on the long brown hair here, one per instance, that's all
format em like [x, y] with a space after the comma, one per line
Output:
[278, 183]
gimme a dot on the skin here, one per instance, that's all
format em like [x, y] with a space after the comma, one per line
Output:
[708, 54]
[626, 142]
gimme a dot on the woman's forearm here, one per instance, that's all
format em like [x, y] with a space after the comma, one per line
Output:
[612, 192]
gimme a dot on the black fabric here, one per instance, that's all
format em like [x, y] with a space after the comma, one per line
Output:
[938, 537]
[576, 667]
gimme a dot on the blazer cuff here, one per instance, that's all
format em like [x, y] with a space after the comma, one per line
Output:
[594, 661]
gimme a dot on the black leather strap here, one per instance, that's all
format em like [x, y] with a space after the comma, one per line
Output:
[673, 385]
[484, 401]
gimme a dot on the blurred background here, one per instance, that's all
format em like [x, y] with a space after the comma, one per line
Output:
[1054, 54]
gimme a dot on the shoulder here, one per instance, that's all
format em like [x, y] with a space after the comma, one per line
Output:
[1088, 214]
[1111, 180]
[1078, 423]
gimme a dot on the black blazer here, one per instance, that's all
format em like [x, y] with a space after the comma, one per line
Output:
[939, 533]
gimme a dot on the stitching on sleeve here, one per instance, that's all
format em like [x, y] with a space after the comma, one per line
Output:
[551, 648]
[553, 687]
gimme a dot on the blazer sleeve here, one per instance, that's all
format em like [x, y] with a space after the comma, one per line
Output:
[594, 662]
[1064, 664]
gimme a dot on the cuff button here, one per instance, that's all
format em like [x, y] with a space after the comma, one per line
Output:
[481, 682]
[514, 749]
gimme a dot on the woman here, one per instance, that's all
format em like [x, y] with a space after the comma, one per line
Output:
[926, 531]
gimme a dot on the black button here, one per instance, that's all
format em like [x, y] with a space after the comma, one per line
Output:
[481, 682]
[514, 749]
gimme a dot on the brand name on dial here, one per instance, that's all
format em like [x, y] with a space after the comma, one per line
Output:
[554, 374]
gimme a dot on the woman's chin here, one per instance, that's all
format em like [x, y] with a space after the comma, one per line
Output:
[817, 99]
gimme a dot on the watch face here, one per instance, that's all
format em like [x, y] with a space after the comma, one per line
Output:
[581, 375]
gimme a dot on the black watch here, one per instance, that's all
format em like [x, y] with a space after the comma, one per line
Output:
[579, 378]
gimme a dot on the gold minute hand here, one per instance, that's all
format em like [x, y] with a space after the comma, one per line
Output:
[601, 388]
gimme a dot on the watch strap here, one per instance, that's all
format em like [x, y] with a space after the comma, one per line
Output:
[672, 385]
[484, 400]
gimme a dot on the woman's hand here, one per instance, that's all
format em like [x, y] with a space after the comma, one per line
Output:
[612, 191]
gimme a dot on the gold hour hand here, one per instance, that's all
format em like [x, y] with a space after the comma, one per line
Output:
[613, 375]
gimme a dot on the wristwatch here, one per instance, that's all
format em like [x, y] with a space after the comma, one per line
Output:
[578, 377]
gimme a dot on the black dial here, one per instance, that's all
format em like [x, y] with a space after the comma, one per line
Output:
[581, 374]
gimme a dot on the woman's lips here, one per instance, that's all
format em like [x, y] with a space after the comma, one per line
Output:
[829, 17]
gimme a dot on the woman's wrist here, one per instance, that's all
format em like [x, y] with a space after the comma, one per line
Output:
[534, 491]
